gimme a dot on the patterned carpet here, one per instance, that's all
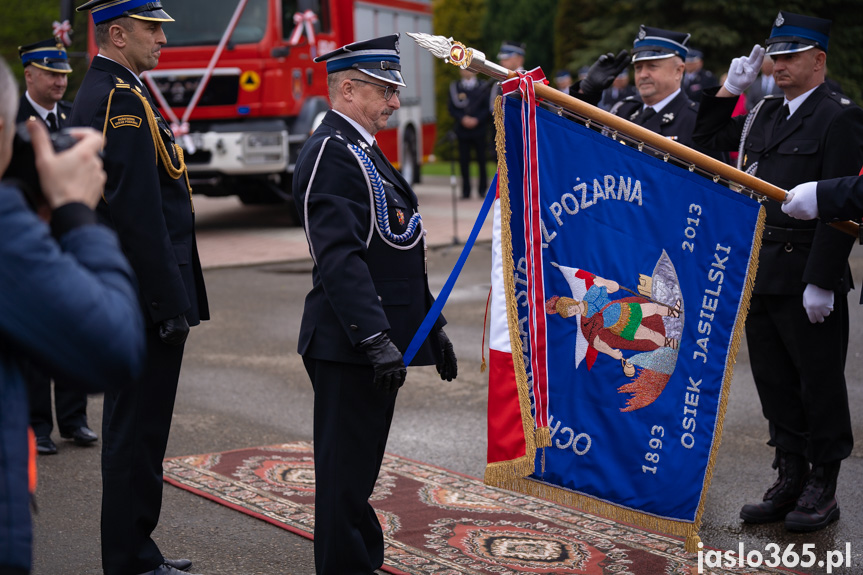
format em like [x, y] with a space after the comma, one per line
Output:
[439, 522]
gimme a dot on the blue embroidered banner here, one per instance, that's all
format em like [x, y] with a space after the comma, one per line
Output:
[647, 275]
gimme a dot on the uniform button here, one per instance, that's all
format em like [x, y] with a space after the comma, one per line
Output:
[795, 149]
[380, 298]
[155, 304]
[354, 328]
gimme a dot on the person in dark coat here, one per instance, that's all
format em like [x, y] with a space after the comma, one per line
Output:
[661, 104]
[696, 79]
[797, 328]
[369, 295]
[468, 105]
[46, 70]
[68, 303]
[148, 202]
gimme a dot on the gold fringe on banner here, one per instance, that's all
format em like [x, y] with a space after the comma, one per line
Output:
[502, 473]
[513, 475]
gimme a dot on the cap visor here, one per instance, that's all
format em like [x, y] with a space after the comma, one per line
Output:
[786, 48]
[651, 55]
[59, 67]
[153, 16]
[391, 76]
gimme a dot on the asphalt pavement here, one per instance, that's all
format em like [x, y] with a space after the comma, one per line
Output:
[244, 385]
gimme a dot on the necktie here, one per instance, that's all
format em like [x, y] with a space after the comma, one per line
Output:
[51, 119]
[645, 115]
[783, 116]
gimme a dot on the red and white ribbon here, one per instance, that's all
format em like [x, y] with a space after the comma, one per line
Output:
[524, 83]
[303, 21]
[62, 30]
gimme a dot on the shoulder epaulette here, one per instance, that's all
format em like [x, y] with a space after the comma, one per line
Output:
[772, 96]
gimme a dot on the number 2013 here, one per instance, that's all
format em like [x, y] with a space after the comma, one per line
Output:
[689, 231]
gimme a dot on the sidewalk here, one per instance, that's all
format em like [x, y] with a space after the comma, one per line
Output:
[263, 234]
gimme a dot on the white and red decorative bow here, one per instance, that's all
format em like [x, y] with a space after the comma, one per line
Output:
[303, 21]
[63, 30]
[524, 83]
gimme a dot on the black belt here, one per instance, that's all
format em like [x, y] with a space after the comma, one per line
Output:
[789, 235]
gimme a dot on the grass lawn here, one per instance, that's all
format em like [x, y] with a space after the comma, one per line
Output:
[445, 169]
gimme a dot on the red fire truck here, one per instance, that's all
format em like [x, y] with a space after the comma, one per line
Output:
[263, 93]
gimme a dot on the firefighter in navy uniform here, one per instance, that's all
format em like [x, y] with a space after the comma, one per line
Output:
[370, 294]
[147, 200]
[661, 105]
[46, 70]
[797, 328]
[468, 105]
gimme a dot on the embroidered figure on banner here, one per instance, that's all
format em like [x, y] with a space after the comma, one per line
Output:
[649, 322]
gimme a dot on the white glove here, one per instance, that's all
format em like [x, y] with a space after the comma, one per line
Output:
[817, 302]
[743, 71]
[802, 202]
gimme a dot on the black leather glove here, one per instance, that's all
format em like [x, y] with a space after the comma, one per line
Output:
[174, 331]
[390, 370]
[447, 367]
[602, 73]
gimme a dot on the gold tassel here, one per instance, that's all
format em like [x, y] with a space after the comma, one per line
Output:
[543, 437]
[692, 543]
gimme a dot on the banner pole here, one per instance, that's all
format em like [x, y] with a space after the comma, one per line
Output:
[458, 54]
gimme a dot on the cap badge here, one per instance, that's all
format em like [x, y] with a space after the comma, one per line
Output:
[641, 34]
[779, 20]
[396, 44]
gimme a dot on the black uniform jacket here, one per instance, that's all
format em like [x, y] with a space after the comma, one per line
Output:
[151, 211]
[676, 120]
[840, 199]
[26, 111]
[362, 284]
[473, 102]
[822, 139]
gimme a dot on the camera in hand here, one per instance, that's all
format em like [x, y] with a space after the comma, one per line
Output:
[23, 165]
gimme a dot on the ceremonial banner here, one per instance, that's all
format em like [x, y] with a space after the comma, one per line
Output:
[620, 287]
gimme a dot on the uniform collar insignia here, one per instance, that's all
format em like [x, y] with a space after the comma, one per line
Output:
[62, 115]
[669, 117]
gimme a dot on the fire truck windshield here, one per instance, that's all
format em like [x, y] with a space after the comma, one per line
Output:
[202, 22]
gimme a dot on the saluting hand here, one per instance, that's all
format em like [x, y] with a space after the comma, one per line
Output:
[602, 73]
[743, 71]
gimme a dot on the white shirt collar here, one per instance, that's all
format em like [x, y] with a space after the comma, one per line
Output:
[363, 132]
[660, 105]
[137, 77]
[798, 101]
[43, 112]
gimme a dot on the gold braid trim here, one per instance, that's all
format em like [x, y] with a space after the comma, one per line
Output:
[161, 149]
[505, 473]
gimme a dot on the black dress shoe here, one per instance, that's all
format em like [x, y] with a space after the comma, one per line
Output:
[45, 446]
[179, 564]
[80, 435]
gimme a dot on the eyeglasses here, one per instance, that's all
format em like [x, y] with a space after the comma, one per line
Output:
[389, 91]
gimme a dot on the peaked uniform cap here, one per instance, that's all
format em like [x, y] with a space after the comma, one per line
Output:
[657, 44]
[378, 58]
[510, 49]
[105, 10]
[796, 33]
[47, 55]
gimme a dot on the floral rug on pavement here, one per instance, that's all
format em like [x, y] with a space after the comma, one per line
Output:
[438, 522]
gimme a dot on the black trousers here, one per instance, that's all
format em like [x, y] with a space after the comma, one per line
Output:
[70, 405]
[799, 371]
[135, 428]
[466, 143]
[352, 422]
